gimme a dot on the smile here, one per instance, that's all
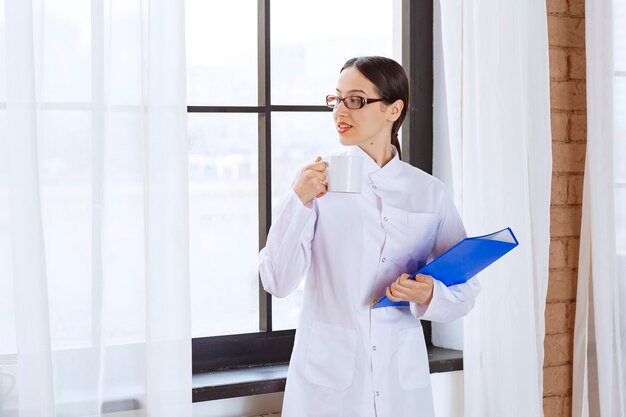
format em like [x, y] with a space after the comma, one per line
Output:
[343, 127]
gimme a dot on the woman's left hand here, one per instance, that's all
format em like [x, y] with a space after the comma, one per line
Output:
[419, 291]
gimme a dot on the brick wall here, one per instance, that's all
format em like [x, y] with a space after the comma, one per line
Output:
[566, 33]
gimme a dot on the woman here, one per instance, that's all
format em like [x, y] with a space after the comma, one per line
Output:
[349, 359]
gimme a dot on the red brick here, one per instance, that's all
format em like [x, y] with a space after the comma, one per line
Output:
[575, 189]
[560, 126]
[565, 221]
[568, 95]
[578, 128]
[573, 246]
[557, 380]
[558, 253]
[562, 285]
[576, 64]
[558, 64]
[567, 405]
[556, 318]
[577, 8]
[559, 189]
[566, 31]
[568, 157]
[552, 406]
[557, 7]
[558, 349]
[571, 315]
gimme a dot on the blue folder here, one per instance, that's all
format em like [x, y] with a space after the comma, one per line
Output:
[463, 260]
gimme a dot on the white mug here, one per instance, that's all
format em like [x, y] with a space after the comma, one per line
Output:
[344, 173]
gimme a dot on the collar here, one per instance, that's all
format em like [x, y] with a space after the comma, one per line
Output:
[371, 169]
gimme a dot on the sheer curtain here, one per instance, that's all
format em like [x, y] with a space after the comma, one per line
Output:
[492, 118]
[94, 280]
[600, 327]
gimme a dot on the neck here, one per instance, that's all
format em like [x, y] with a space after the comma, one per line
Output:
[380, 152]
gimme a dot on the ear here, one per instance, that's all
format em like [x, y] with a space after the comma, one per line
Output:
[394, 110]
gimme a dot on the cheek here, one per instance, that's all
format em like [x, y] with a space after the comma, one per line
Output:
[369, 125]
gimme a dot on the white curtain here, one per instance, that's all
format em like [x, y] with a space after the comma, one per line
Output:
[600, 332]
[94, 274]
[492, 122]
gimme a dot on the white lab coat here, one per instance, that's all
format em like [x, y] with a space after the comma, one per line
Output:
[350, 360]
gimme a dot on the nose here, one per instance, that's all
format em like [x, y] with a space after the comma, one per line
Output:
[341, 107]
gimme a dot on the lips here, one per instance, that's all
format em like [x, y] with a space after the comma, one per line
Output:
[343, 127]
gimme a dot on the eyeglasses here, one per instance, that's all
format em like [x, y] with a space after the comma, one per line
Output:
[352, 102]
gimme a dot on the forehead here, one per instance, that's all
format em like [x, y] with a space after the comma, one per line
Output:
[351, 79]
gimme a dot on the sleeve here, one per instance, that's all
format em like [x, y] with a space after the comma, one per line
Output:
[286, 257]
[448, 303]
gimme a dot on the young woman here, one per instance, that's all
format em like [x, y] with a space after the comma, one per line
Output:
[349, 359]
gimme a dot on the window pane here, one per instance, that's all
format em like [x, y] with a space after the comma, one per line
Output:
[125, 53]
[65, 34]
[66, 190]
[3, 56]
[308, 52]
[619, 101]
[66, 41]
[123, 234]
[297, 138]
[619, 155]
[223, 221]
[7, 323]
[221, 43]
[619, 35]
[620, 217]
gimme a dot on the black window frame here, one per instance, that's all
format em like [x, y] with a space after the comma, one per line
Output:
[268, 347]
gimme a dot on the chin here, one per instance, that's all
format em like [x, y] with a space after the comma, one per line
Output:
[347, 141]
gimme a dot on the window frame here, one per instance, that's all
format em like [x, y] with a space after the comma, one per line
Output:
[270, 347]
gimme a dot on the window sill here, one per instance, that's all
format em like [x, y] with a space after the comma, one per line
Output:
[216, 385]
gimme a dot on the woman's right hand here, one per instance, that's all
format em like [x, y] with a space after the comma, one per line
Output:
[311, 182]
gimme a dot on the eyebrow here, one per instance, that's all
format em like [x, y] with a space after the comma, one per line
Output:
[352, 91]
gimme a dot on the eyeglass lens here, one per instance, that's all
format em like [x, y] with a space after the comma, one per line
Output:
[352, 102]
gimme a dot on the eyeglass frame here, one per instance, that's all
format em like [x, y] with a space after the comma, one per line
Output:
[364, 101]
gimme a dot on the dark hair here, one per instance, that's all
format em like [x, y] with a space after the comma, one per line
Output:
[390, 80]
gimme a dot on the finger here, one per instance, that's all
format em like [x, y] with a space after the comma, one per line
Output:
[425, 282]
[322, 188]
[398, 290]
[422, 277]
[316, 175]
[316, 179]
[318, 166]
[390, 295]
[410, 285]
[403, 277]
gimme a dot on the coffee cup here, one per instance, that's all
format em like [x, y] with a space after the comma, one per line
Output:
[344, 173]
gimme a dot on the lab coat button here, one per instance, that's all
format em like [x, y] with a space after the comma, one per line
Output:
[377, 393]
[384, 260]
[385, 219]
[374, 186]
[373, 347]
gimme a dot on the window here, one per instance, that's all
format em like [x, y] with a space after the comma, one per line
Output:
[257, 78]
[244, 147]
[255, 115]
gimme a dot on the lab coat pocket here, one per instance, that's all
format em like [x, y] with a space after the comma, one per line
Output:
[412, 357]
[423, 229]
[330, 356]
